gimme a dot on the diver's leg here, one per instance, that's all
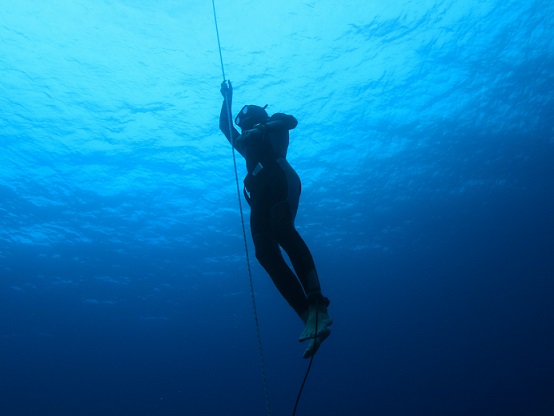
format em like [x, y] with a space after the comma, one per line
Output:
[313, 311]
[285, 200]
[299, 254]
[269, 256]
[283, 212]
[316, 318]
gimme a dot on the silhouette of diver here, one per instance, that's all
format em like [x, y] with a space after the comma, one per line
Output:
[272, 189]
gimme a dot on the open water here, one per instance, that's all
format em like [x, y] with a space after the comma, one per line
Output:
[426, 149]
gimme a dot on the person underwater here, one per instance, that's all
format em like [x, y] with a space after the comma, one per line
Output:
[272, 189]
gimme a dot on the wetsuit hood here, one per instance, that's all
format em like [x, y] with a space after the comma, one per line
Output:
[250, 115]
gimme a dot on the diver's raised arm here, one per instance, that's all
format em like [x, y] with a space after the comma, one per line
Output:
[225, 116]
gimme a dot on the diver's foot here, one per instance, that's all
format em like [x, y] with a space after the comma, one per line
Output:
[315, 342]
[318, 318]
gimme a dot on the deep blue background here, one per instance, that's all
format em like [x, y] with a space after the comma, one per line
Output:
[426, 148]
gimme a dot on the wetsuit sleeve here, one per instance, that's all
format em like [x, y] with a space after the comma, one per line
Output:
[224, 124]
[281, 120]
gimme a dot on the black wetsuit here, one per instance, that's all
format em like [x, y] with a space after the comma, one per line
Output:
[274, 193]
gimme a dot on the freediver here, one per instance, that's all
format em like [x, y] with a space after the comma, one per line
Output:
[272, 189]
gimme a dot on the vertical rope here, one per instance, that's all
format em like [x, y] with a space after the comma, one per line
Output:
[220, 54]
[309, 366]
[255, 310]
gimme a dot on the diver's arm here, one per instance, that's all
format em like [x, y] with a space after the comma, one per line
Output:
[280, 121]
[225, 122]
[225, 118]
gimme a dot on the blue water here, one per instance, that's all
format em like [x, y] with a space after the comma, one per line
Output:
[426, 149]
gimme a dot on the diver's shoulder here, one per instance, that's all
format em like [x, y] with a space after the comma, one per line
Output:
[289, 121]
